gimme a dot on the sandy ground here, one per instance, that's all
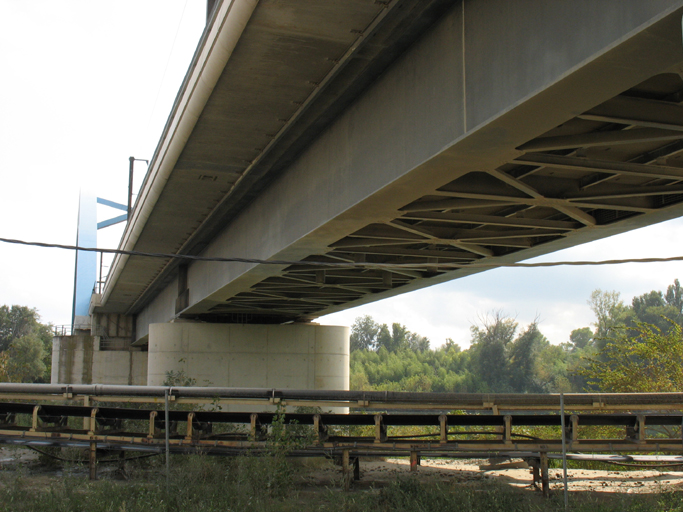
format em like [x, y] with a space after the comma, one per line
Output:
[377, 472]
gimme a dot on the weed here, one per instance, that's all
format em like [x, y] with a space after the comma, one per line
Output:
[203, 483]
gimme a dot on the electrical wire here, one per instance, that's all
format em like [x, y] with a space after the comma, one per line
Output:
[341, 264]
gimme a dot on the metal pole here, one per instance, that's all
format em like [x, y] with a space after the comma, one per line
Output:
[99, 282]
[346, 471]
[93, 460]
[130, 185]
[564, 453]
[167, 428]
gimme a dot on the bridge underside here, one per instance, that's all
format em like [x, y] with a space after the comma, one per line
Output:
[620, 160]
[424, 136]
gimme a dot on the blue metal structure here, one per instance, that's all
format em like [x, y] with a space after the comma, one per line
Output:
[115, 220]
[86, 261]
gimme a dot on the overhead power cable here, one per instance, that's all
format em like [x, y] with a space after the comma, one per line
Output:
[342, 264]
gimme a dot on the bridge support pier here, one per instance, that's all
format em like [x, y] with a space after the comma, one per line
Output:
[294, 356]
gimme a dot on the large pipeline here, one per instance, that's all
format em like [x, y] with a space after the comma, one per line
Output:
[362, 398]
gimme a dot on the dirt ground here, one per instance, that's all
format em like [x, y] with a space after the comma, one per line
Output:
[377, 473]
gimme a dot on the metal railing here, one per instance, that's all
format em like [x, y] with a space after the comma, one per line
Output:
[68, 329]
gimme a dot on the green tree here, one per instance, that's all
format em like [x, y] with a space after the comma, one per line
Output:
[364, 332]
[674, 296]
[27, 342]
[550, 371]
[650, 361]
[400, 338]
[416, 342]
[578, 349]
[579, 339]
[654, 308]
[609, 311]
[490, 346]
[26, 355]
[397, 341]
[523, 354]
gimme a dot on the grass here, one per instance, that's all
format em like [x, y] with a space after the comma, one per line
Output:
[201, 484]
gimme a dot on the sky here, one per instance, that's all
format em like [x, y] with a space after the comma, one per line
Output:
[87, 84]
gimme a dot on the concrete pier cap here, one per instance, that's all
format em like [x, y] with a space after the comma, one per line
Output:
[293, 356]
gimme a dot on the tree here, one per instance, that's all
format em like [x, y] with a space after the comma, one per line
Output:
[580, 346]
[490, 346]
[551, 370]
[26, 356]
[650, 361]
[364, 333]
[609, 312]
[416, 342]
[400, 338]
[655, 308]
[27, 343]
[16, 322]
[524, 352]
[674, 296]
[579, 339]
[397, 341]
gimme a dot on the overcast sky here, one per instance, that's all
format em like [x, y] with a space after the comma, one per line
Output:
[87, 84]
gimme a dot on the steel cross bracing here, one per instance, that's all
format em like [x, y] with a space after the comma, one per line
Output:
[620, 159]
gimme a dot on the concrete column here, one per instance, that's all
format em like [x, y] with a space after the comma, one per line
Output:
[295, 356]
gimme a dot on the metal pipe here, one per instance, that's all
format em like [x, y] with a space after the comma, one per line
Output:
[131, 164]
[564, 453]
[350, 398]
[347, 398]
[167, 428]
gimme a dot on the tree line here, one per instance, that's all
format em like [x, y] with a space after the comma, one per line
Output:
[630, 347]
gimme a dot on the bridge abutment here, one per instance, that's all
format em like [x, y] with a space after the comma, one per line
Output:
[82, 358]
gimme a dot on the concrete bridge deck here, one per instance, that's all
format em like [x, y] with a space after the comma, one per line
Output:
[400, 132]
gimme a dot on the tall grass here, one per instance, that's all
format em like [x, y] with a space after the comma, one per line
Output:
[201, 483]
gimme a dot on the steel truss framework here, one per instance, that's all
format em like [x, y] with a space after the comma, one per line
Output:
[621, 159]
[505, 429]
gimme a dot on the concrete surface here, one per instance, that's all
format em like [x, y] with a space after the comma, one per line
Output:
[260, 356]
